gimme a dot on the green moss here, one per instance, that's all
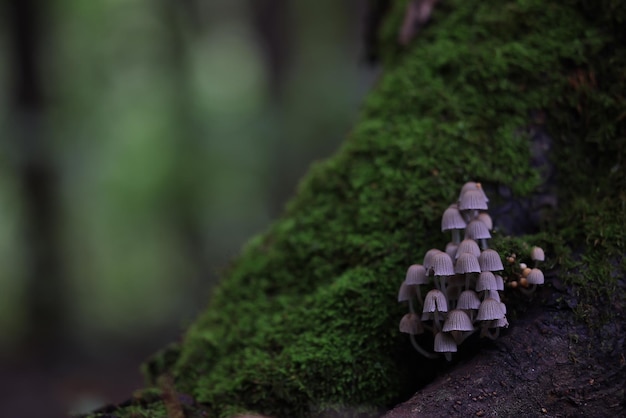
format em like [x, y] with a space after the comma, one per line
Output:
[306, 319]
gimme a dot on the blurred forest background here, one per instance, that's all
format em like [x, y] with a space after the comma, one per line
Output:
[141, 143]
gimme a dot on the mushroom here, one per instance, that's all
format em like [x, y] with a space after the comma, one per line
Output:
[428, 259]
[442, 267]
[468, 300]
[442, 264]
[486, 281]
[486, 219]
[471, 185]
[537, 255]
[457, 323]
[411, 324]
[489, 260]
[471, 202]
[405, 293]
[416, 276]
[477, 231]
[454, 222]
[444, 343]
[489, 310]
[451, 249]
[535, 277]
[468, 246]
[467, 264]
[499, 282]
[489, 313]
[434, 303]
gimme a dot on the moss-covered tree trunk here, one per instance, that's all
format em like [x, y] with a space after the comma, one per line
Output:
[305, 322]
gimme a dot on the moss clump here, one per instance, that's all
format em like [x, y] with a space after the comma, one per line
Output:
[306, 319]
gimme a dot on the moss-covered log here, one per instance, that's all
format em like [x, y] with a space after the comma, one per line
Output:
[305, 321]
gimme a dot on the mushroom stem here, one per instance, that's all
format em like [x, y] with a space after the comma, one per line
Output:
[442, 280]
[456, 236]
[436, 321]
[483, 243]
[420, 350]
[448, 356]
[411, 308]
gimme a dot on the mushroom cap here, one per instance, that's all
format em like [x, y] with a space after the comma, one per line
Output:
[428, 258]
[477, 230]
[489, 260]
[473, 199]
[442, 264]
[457, 320]
[489, 310]
[444, 343]
[452, 219]
[468, 246]
[472, 185]
[467, 263]
[499, 282]
[468, 299]
[405, 293]
[451, 249]
[486, 219]
[537, 254]
[416, 275]
[535, 276]
[435, 300]
[493, 294]
[411, 324]
[486, 281]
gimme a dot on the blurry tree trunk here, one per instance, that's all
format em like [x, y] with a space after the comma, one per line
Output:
[38, 179]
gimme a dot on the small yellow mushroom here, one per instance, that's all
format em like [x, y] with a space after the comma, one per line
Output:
[526, 272]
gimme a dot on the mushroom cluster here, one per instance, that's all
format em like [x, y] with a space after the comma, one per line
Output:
[463, 283]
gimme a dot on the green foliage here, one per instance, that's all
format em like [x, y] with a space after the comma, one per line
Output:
[306, 319]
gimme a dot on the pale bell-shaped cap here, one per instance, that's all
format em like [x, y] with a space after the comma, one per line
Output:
[405, 293]
[493, 294]
[486, 219]
[428, 259]
[473, 199]
[537, 254]
[435, 300]
[411, 324]
[457, 320]
[452, 219]
[444, 343]
[471, 185]
[416, 275]
[486, 281]
[499, 282]
[468, 246]
[476, 230]
[535, 276]
[468, 299]
[467, 263]
[442, 264]
[489, 310]
[489, 260]
[451, 249]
